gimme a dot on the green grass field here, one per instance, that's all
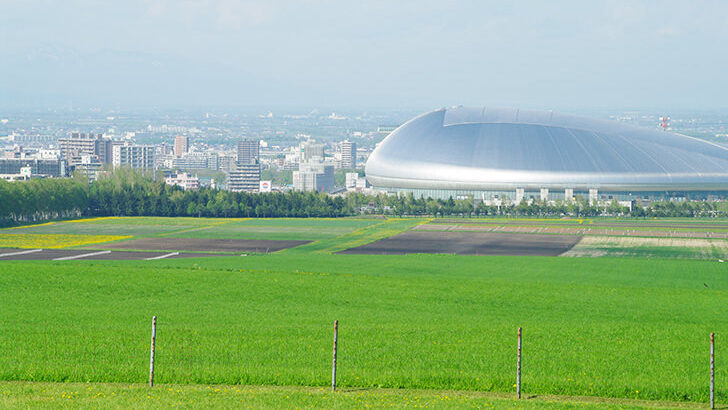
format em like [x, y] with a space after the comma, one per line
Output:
[280, 229]
[600, 327]
[629, 328]
[242, 228]
[332, 235]
[25, 395]
[327, 233]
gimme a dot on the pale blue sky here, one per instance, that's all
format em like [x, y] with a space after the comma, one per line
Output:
[388, 54]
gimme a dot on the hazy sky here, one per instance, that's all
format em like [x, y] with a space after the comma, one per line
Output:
[387, 54]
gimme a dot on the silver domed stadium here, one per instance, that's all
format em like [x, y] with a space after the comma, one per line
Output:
[511, 155]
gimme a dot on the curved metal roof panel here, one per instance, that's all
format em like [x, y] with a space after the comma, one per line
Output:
[485, 148]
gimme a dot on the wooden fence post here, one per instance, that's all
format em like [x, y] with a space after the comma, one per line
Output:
[333, 369]
[151, 353]
[712, 370]
[518, 366]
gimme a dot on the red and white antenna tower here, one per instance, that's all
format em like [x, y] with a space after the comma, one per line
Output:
[664, 122]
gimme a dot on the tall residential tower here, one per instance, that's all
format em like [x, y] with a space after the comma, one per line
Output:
[181, 145]
[348, 154]
[246, 177]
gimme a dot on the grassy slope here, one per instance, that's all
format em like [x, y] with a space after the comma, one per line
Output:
[372, 233]
[281, 229]
[101, 395]
[241, 228]
[332, 235]
[600, 327]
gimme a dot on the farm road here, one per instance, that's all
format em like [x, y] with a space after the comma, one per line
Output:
[77, 254]
[202, 245]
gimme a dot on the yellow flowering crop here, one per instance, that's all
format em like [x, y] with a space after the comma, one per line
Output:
[53, 241]
[103, 218]
[27, 226]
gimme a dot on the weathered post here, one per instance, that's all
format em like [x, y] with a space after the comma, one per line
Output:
[151, 353]
[333, 370]
[518, 366]
[712, 370]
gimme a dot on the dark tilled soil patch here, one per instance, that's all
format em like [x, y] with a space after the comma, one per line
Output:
[468, 243]
[202, 245]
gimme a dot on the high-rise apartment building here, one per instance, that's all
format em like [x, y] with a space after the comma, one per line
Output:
[103, 150]
[227, 163]
[135, 156]
[348, 154]
[314, 177]
[196, 160]
[248, 152]
[76, 146]
[245, 179]
[213, 160]
[181, 145]
[310, 150]
[165, 149]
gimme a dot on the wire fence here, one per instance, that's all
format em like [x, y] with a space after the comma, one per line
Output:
[184, 359]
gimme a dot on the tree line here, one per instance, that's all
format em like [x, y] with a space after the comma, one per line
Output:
[126, 192]
[41, 199]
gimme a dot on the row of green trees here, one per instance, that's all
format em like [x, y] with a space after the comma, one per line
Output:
[409, 205]
[41, 199]
[130, 193]
[134, 194]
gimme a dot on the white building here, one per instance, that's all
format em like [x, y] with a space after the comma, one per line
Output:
[354, 182]
[311, 151]
[79, 144]
[245, 179]
[135, 156]
[314, 177]
[348, 154]
[192, 160]
[227, 163]
[48, 154]
[351, 178]
[184, 180]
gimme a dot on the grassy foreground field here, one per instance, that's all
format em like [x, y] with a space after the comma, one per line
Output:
[614, 327]
[315, 229]
[23, 395]
[609, 327]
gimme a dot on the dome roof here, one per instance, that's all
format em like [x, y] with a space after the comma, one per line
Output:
[488, 149]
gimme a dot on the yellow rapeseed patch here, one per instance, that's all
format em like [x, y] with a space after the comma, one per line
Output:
[53, 241]
[93, 219]
[27, 226]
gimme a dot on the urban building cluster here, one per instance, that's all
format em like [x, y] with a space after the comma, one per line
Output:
[492, 156]
[185, 162]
